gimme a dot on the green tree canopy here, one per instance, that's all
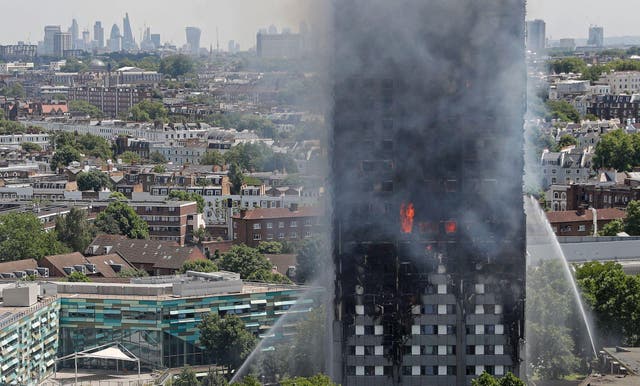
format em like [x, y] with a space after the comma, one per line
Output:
[64, 156]
[485, 379]
[227, 339]
[258, 157]
[311, 256]
[159, 168]
[22, 237]
[200, 265]
[632, 220]
[187, 377]
[148, 111]
[615, 150]
[157, 158]
[567, 140]
[31, 147]
[120, 219]
[612, 228]
[244, 260]
[316, 380]
[76, 276]
[270, 247]
[567, 65]
[94, 179]
[85, 108]
[130, 157]
[176, 65]
[74, 230]
[563, 111]
[181, 195]
[212, 157]
[14, 90]
[88, 144]
[74, 65]
[236, 178]
[132, 272]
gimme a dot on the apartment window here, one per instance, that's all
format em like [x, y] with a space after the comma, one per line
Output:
[293, 224]
[257, 236]
[281, 235]
[582, 228]
[269, 225]
[270, 236]
[293, 235]
[256, 226]
[281, 224]
[430, 309]
[490, 329]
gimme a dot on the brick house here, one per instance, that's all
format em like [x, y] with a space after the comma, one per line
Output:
[251, 227]
[580, 222]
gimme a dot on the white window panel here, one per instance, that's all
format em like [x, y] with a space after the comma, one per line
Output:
[442, 350]
[415, 350]
[479, 288]
[442, 370]
[415, 310]
[442, 330]
[479, 350]
[379, 370]
[479, 309]
[442, 309]
[378, 330]
[359, 330]
[359, 350]
[479, 329]
[499, 349]
[498, 309]
[359, 370]
[499, 369]
[359, 310]
[415, 330]
[499, 329]
[415, 370]
[378, 350]
[479, 370]
[442, 289]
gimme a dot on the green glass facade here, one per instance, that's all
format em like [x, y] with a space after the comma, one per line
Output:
[28, 343]
[163, 331]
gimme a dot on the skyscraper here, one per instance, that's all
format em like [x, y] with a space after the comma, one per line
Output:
[74, 31]
[193, 39]
[98, 35]
[428, 220]
[536, 35]
[115, 39]
[128, 42]
[61, 43]
[49, 33]
[596, 36]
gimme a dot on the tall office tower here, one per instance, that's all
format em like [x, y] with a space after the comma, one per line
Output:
[596, 36]
[128, 42]
[193, 40]
[98, 35]
[49, 33]
[61, 43]
[115, 39]
[536, 35]
[427, 163]
[155, 39]
[74, 31]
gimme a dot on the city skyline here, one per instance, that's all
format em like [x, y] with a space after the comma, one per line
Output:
[570, 18]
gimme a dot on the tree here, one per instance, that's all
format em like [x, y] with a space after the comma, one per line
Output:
[74, 65]
[31, 147]
[74, 230]
[147, 111]
[130, 157]
[212, 157]
[200, 265]
[157, 158]
[132, 272]
[119, 218]
[214, 379]
[64, 156]
[181, 195]
[612, 228]
[310, 259]
[227, 339]
[632, 220]
[94, 179]
[249, 380]
[159, 169]
[78, 277]
[485, 379]
[187, 377]
[236, 178]
[270, 247]
[176, 65]
[511, 380]
[573, 64]
[85, 108]
[563, 111]
[95, 146]
[244, 260]
[22, 237]
[316, 380]
[15, 90]
[615, 150]
[309, 343]
[567, 140]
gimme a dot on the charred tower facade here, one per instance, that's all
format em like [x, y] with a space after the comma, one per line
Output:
[427, 161]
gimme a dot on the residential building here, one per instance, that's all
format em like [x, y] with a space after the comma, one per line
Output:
[134, 75]
[582, 222]
[250, 227]
[616, 106]
[536, 35]
[156, 257]
[193, 40]
[569, 166]
[49, 38]
[429, 227]
[278, 46]
[61, 42]
[596, 36]
[101, 266]
[623, 82]
[111, 100]
[18, 51]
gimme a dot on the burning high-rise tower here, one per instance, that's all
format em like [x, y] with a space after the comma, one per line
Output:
[427, 160]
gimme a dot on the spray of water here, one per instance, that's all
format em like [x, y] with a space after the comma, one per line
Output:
[542, 244]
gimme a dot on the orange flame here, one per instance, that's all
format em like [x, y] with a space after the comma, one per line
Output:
[407, 212]
[450, 227]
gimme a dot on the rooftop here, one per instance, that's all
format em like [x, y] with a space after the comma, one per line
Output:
[576, 216]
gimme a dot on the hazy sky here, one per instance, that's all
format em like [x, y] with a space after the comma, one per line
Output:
[240, 19]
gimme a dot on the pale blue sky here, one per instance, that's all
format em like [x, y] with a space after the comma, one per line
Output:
[240, 19]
